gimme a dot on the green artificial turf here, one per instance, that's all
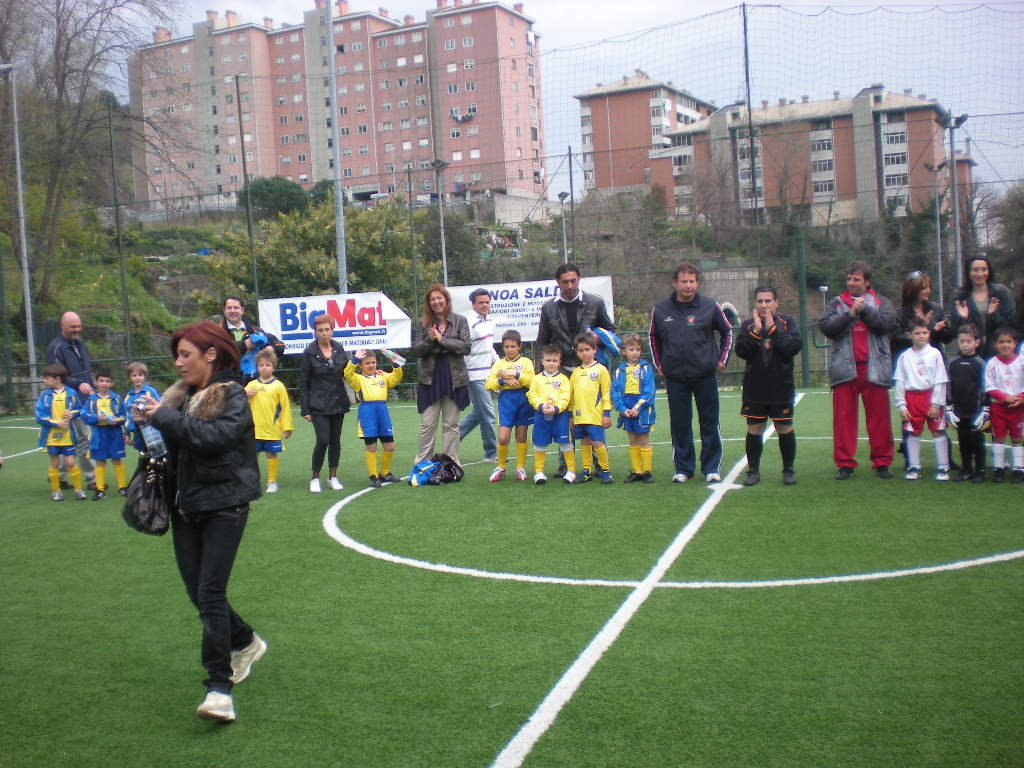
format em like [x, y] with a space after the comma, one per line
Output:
[375, 664]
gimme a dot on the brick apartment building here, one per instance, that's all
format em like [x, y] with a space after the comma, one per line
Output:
[839, 159]
[462, 87]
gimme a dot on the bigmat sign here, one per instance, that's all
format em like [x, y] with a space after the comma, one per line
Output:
[369, 320]
[517, 305]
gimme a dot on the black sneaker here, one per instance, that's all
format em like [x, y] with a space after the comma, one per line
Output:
[753, 478]
[978, 477]
[648, 477]
[963, 477]
[884, 472]
[122, 491]
[1018, 476]
[560, 473]
[374, 481]
[844, 473]
[997, 475]
[633, 477]
[583, 477]
[789, 477]
[388, 478]
[99, 496]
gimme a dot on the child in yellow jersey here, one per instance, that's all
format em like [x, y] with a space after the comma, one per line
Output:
[271, 413]
[104, 412]
[591, 408]
[633, 398]
[511, 377]
[371, 387]
[56, 407]
[549, 397]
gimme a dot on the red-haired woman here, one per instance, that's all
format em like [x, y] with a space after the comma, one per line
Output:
[441, 341]
[207, 426]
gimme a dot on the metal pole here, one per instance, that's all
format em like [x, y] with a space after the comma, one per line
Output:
[938, 239]
[805, 363]
[26, 277]
[412, 242]
[565, 244]
[8, 360]
[572, 210]
[245, 188]
[120, 248]
[957, 246]
[750, 136]
[339, 195]
[439, 166]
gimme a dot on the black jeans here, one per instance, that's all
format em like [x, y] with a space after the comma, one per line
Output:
[681, 395]
[327, 429]
[205, 546]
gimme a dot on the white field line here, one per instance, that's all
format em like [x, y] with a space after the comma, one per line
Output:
[23, 453]
[515, 752]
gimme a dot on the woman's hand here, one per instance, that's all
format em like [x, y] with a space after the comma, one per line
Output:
[144, 408]
[993, 305]
[961, 310]
[307, 417]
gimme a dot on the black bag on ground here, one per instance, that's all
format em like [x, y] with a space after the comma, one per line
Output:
[448, 472]
[145, 508]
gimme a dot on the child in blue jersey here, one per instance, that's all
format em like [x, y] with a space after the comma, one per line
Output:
[549, 396]
[511, 377]
[56, 407]
[633, 398]
[591, 408]
[104, 412]
[271, 413]
[371, 386]
[138, 373]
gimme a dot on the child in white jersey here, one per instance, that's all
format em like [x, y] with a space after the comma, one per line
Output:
[921, 380]
[1004, 383]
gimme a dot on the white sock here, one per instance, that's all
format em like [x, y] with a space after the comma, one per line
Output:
[914, 450]
[998, 459]
[942, 451]
[1018, 457]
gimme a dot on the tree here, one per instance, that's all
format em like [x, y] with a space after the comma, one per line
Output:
[273, 195]
[1007, 216]
[321, 191]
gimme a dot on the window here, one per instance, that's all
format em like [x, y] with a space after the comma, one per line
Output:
[355, 26]
[424, 142]
[454, 133]
[297, 98]
[896, 137]
[364, 149]
[419, 79]
[896, 158]
[417, 37]
[361, 129]
[449, 22]
[452, 67]
[456, 157]
[449, 45]
[386, 125]
[403, 82]
[474, 154]
[471, 109]
[232, 139]
[399, 39]
[385, 106]
[421, 100]
[344, 130]
[655, 111]
[286, 139]
[358, 67]
[389, 147]
[400, 61]
[824, 187]
[406, 123]
[346, 172]
[453, 87]
[585, 121]
[467, 42]
[296, 57]
[385, 85]
[474, 130]
[301, 138]
[301, 158]
[364, 170]
[821, 145]
[361, 107]
[417, 58]
[823, 125]
[822, 165]
[226, 60]
[357, 46]
[406, 145]
[298, 117]
[346, 151]
[403, 103]
[469, 64]
[467, 18]
[896, 180]
[471, 85]
[382, 42]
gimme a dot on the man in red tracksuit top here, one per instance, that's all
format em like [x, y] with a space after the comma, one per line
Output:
[859, 323]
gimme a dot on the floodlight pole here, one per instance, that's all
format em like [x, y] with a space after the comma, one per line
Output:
[26, 279]
[938, 233]
[245, 188]
[117, 229]
[565, 244]
[339, 194]
[439, 166]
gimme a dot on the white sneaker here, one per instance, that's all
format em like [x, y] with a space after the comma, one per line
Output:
[80, 495]
[242, 661]
[540, 478]
[679, 477]
[569, 477]
[314, 485]
[714, 477]
[913, 474]
[217, 706]
[336, 484]
[520, 475]
[942, 474]
[57, 496]
[272, 488]
[497, 475]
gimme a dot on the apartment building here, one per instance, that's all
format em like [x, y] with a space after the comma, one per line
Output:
[622, 122]
[454, 98]
[833, 160]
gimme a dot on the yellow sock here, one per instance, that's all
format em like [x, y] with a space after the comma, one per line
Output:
[54, 476]
[385, 462]
[502, 455]
[273, 465]
[570, 460]
[120, 475]
[646, 457]
[635, 462]
[521, 449]
[587, 456]
[602, 458]
[101, 477]
[371, 462]
[538, 459]
[75, 475]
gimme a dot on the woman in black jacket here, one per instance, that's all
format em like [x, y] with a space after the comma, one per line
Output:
[323, 399]
[983, 302]
[207, 426]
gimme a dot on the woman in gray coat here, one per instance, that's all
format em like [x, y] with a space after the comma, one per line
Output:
[440, 341]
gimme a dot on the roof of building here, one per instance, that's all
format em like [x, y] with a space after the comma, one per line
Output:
[638, 81]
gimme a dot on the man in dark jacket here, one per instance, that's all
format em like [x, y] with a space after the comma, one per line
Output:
[768, 342]
[859, 322]
[69, 350]
[683, 328]
[241, 331]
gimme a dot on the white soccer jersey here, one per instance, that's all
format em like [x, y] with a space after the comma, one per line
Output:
[921, 370]
[1006, 376]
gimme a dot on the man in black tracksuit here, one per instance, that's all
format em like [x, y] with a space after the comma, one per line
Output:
[768, 342]
[683, 328]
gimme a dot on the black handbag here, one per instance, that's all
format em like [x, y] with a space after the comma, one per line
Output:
[145, 508]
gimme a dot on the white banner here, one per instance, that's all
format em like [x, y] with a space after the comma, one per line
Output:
[364, 320]
[517, 305]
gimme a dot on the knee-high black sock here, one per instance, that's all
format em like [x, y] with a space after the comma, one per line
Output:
[754, 450]
[787, 447]
[967, 447]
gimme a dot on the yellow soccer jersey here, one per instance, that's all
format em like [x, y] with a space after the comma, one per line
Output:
[371, 388]
[522, 365]
[103, 409]
[550, 389]
[271, 409]
[591, 394]
[58, 435]
[632, 379]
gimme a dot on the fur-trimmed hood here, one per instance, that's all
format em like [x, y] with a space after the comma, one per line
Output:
[206, 404]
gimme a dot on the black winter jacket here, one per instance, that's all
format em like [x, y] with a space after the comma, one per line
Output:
[683, 337]
[768, 377]
[554, 327]
[210, 438]
[322, 383]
